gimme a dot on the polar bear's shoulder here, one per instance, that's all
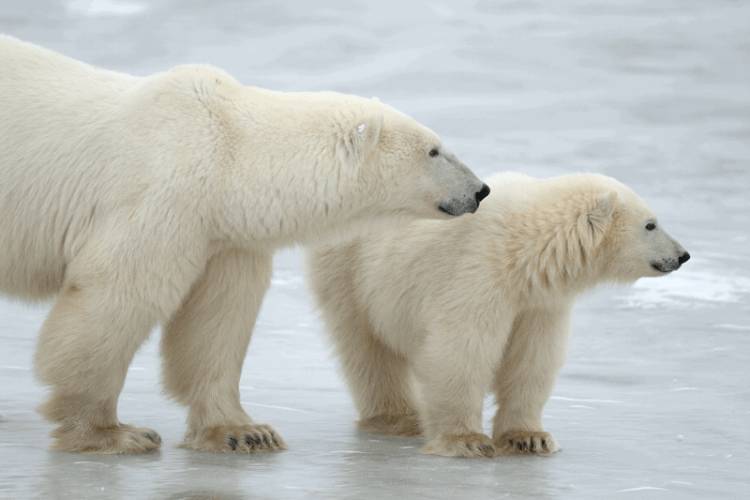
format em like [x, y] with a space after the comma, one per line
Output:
[188, 80]
[196, 74]
[200, 92]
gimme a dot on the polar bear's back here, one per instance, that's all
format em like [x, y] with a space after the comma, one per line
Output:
[24, 60]
[36, 77]
[53, 108]
[44, 95]
[50, 105]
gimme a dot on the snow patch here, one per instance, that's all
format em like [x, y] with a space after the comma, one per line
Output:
[687, 289]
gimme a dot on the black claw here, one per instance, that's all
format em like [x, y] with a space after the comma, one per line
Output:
[519, 446]
[532, 446]
[544, 445]
[232, 442]
[251, 440]
[266, 441]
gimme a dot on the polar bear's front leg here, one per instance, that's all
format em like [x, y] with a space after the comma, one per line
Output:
[454, 370]
[524, 381]
[204, 347]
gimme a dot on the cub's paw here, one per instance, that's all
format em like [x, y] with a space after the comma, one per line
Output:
[119, 439]
[392, 425]
[249, 438]
[470, 445]
[526, 443]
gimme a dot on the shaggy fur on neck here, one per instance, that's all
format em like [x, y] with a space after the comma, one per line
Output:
[558, 251]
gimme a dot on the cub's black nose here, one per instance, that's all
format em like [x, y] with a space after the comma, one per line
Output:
[482, 193]
[684, 258]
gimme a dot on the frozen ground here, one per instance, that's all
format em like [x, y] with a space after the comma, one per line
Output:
[654, 401]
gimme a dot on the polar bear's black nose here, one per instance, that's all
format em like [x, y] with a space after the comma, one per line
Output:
[684, 258]
[482, 193]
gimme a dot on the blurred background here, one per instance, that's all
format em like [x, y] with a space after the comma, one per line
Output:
[654, 401]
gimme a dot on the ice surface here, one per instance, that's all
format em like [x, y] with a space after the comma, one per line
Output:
[654, 401]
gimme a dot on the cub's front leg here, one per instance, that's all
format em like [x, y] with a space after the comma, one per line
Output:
[454, 369]
[523, 383]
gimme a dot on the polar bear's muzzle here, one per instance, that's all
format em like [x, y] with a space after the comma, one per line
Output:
[464, 205]
[669, 265]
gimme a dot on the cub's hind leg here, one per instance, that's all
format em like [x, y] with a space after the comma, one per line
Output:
[378, 379]
[377, 376]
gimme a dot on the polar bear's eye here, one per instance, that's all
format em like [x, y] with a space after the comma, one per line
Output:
[650, 226]
[434, 152]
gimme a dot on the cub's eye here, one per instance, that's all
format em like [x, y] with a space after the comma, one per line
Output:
[434, 152]
[650, 226]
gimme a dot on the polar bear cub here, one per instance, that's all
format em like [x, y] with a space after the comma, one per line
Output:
[159, 200]
[480, 303]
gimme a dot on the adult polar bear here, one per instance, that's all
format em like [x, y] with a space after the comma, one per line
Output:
[160, 200]
[480, 303]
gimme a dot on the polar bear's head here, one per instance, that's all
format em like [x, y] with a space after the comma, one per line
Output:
[632, 242]
[405, 166]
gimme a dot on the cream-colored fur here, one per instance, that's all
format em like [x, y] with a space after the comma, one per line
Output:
[160, 200]
[480, 303]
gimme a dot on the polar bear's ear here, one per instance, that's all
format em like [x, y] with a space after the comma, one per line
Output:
[596, 219]
[364, 137]
[600, 214]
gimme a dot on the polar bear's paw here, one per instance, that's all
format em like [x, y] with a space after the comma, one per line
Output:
[462, 445]
[526, 443]
[249, 438]
[392, 425]
[119, 439]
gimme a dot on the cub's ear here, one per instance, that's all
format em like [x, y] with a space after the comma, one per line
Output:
[598, 217]
[362, 139]
[603, 209]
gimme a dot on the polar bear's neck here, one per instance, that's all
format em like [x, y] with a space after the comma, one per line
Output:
[310, 205]
[544, 246]
[288, 197]
[283, 178]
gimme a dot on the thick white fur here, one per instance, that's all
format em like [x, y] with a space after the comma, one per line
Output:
[159, 200]
[479, 303]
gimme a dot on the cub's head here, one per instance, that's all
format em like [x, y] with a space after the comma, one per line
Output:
[633, 244]
[406, 168]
